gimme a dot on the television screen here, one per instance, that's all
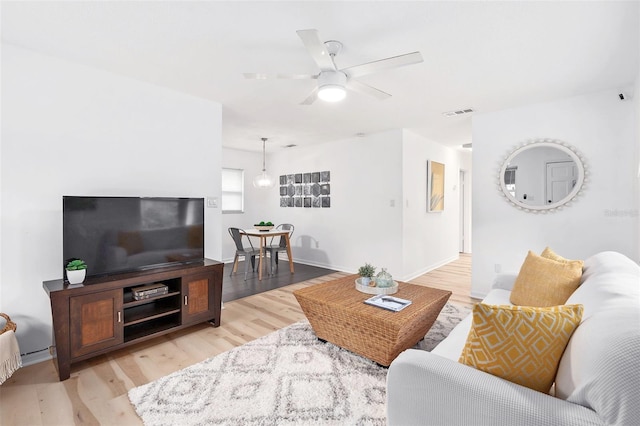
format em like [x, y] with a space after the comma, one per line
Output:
[121, 234]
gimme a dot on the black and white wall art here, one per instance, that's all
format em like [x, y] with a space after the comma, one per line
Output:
[307, 190]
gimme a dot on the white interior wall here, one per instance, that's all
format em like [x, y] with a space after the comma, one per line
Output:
[72, 130]
[360, 226]
[255, 199]
[636, 103]
[378, 203]
[605, 217]
[429, 240]
[465, 164]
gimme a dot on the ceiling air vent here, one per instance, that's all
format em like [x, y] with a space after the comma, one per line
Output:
[458, 112]
[291, 145]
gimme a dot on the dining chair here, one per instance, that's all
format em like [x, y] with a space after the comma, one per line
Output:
[274, 249]
[249, 253]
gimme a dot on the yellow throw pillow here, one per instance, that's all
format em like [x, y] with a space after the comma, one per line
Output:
[545, 282]
[550, 254]
[520, 344]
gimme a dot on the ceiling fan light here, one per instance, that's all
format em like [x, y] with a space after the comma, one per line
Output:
[332, 93]
[331, 86]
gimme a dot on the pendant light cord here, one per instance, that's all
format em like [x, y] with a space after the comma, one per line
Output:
[264, 167]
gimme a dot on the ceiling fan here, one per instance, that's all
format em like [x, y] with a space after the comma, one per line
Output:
[333, 82]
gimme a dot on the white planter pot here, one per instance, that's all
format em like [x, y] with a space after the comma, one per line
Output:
[76, 277]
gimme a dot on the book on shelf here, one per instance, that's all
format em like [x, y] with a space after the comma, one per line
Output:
[390, 303]
[149, 291]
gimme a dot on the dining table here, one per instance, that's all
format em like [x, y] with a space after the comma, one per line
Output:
[263, 235]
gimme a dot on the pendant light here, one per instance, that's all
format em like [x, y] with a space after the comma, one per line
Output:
[263, 180]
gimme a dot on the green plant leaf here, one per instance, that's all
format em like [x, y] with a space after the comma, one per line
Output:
[76, 265]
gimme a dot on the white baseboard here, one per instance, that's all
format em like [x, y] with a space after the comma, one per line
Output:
[429, 268]
[36, 358]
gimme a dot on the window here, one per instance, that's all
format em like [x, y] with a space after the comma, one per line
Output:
[232, 191]
[510, 180]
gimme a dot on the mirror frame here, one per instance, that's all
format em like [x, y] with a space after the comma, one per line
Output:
[547, 208]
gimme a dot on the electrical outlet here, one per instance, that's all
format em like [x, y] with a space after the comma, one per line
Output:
[497, 268]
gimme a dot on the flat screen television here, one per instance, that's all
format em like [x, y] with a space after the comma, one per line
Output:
[124, 234]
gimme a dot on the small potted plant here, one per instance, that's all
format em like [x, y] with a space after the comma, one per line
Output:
[366, 273]
[76, 271]
[264, 226]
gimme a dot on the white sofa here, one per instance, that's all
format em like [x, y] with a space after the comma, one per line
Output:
[598, 378]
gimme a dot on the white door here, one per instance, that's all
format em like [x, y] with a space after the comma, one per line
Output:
[561, 178]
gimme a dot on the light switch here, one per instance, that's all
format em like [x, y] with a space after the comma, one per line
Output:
[212, 202]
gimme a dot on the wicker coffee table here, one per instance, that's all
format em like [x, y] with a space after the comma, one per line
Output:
[338, 314]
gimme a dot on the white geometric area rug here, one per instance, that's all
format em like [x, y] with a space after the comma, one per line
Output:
[287, 377]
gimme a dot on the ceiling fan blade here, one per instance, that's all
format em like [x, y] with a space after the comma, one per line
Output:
[261, 76]
[365, 89]
[311, 98]
[317, 49]
[393, 62]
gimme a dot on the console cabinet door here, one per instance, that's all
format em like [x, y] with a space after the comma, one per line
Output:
[96, 321]
[198, 298]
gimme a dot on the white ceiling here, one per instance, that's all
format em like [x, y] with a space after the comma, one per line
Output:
[484, 55]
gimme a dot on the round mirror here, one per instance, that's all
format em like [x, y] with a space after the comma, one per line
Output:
[542, 175]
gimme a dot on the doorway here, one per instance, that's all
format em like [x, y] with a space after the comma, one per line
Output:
[465, 211]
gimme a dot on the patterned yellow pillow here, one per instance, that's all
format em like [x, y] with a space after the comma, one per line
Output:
[520, 344]
[545, 282]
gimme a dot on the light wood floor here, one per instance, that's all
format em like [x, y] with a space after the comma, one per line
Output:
[96, 393]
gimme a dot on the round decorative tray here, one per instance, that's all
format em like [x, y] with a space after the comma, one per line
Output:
[263, 228]
[376, 290]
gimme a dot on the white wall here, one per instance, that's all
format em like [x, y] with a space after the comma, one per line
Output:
[360, 226]
[429, 239]
[466, 166]
[255, 199]
[605, 217]
[636, 102]
[378, 203]
[73, 130]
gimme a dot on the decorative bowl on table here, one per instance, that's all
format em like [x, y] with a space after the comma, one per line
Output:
[374, 289]
[264, 228]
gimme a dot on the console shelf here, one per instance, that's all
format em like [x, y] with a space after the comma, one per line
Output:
[129, 301]
[147, 312]
[151, 328]
[101, 315]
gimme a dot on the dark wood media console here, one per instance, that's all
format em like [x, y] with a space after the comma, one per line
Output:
[102, 315]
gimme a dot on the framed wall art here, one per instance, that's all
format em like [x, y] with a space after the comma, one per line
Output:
[435, 186]
[310, 189]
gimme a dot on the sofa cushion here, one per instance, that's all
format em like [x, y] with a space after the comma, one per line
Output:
[520, 344]
[545, 282]
[600, 368]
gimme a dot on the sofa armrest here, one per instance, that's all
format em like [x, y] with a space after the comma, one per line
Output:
[504, 281]
[426, 389]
